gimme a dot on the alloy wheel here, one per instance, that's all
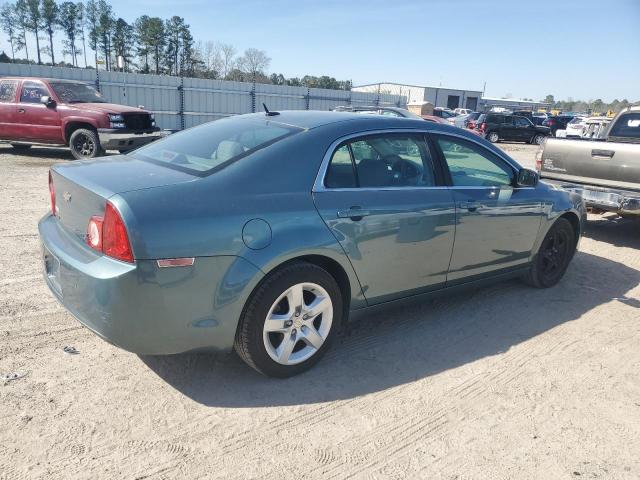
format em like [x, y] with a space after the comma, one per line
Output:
[298, 323]
[554, 253]
[84, 145]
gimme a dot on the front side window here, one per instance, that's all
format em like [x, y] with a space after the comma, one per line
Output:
[8, 91]
[386, 160]
[627, 125]
[507, 120]
[522, 122]
[211, 146]
[471, 165]
[69, 92]
[32, 92]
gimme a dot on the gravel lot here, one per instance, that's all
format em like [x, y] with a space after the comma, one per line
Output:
[500, 382]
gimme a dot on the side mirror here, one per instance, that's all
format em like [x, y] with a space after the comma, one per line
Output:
[527, 178]
[48, 101]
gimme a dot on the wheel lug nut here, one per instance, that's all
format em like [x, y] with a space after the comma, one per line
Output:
[288, 323]
[294, 331]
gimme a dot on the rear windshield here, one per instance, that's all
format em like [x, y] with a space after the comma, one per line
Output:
[627, 126]
[76, 93]
[210, 147]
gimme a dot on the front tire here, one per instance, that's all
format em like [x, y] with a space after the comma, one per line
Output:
[85, 144]
[538, 139]
[493, 137]
[553, 257]
[289, 320]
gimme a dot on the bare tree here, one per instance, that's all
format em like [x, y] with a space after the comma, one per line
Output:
[34, 22]
[227, 53]
[9, 24]
[254, 62]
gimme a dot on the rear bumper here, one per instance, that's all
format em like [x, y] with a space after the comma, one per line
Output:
[143, 308]
[121, 139]
[623, 202]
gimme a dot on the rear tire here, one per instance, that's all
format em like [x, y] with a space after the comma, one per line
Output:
[553, 257]
[85, 144]
[21, 147]
[289, 299]
[493, 137]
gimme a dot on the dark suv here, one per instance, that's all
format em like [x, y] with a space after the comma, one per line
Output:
[502, 126]
[558, 122]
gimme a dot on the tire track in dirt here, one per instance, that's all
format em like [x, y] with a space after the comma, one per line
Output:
[412, 430]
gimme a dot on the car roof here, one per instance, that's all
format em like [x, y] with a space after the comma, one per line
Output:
[47, 79]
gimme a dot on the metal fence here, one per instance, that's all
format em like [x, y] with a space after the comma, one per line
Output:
[182, 102]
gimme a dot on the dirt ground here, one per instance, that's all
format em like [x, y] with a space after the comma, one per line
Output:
[504, 382]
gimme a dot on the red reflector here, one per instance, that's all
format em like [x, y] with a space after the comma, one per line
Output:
[176, 262]
[52, 194]
[115, 241]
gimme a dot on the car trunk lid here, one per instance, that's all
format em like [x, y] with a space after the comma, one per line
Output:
[82, 188]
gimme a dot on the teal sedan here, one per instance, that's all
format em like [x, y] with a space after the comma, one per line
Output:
[265, 232]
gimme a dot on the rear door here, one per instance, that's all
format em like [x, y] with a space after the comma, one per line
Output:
[496, 223]
[38, 122]
[508, 130]
[384, 202]
[8, 96]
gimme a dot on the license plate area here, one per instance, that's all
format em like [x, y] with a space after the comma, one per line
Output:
[52, 270]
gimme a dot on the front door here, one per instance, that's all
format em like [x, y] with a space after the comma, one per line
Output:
[384, 203]
[496, 223]
[8, 93]
[38, 122]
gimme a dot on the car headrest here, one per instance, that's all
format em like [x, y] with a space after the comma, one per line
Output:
[228, 149]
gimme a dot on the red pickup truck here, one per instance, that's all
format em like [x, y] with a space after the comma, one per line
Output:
[74, 114]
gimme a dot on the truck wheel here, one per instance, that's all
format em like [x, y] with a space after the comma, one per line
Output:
[21, 147]
[554, 255]
[538, 139]
[84, 143]
[289, 321]
[493, 137]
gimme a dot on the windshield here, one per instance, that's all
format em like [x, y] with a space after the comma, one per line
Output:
[212, 146]
[76, 93]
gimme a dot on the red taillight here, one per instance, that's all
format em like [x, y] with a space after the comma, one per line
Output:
[52, 194]
[109, 235]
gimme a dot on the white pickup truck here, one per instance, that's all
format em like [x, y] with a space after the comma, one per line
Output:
[605, 171]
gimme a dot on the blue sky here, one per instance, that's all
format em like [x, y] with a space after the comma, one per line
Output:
[583, 49]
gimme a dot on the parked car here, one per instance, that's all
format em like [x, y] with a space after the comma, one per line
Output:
[556, 123]
[433, 118]
[462, 121]
[373, 110]
[587, 127]
[63, 112]
[606, 171]
[500, 126]
[443, 113]
[264, 232]
[462, 111]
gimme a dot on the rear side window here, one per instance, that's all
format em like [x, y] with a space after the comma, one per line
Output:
[209, 147]
[378, 161]
[8, 90]
[32, 92]
[628, 125]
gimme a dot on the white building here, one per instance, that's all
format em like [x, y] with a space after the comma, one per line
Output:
[438, 96]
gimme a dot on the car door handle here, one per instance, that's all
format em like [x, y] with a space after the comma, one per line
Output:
[354, 213]
[602, 153]
[21, 110]
[469, 205]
